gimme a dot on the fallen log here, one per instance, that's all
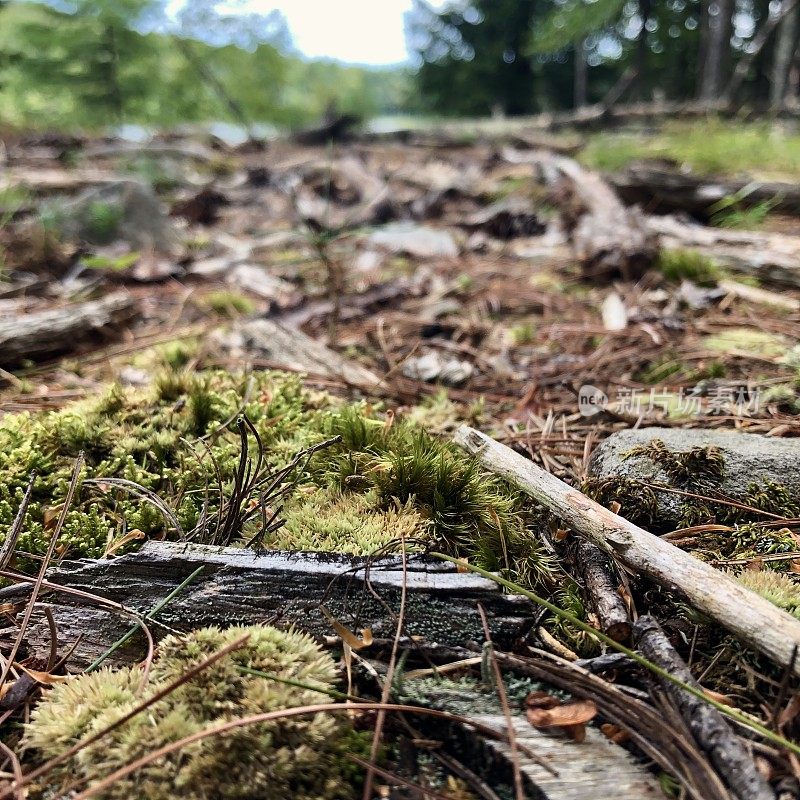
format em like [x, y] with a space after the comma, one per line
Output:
[608, 238]
[726, 750]
[771, 257]
[240, 587]
[661, 188]
[45, 334]
[275, 345]
[747, 615]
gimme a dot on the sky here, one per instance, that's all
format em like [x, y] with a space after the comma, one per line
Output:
[357, 31]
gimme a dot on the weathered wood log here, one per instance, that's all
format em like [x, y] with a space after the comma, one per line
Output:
[608, 239]
[279, 346]
[240, 587]
[612, 614]
[44, 334]
[771, 257]
[747, 615]
[709, 728]
[661, 188]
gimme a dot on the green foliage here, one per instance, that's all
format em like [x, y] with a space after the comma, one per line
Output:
[678, 265]
[228, 303]
[731, 211]
[572, 21]
[301, 757]
[379, 484]
[709, 146]
[94, 67]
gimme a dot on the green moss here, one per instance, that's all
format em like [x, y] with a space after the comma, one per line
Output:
[779, 588]
[382, 482]
[678, 265]
[228, 304]
[746, 340]
[326, 520]
[300, 757]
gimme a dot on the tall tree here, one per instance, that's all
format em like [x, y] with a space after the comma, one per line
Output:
[717, 28]
[782, 58]
[473, 57]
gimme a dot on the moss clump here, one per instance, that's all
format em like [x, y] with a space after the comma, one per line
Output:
[777, 587]
[344, 522]
[746, 340]
[147, 438]
[678, 265]
[302, 757]
[382, 482]
[228, 304]
[468, 512]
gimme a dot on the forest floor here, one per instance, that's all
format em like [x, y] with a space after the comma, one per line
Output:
[441, 283]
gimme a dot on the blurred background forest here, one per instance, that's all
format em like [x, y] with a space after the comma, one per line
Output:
[95, 63]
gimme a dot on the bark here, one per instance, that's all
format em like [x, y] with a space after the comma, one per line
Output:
[601, 587]
[747, 615]
[238, 586]
[645, 9]
[45, 334]
[782, 59]
[718, 18]
[727, 752]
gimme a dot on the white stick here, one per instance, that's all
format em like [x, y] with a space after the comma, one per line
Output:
[749, 616]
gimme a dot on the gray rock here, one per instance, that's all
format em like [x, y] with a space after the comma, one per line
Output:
[126, 211]
[749, 461]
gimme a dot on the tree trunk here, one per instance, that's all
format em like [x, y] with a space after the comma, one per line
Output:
[782, 59]
[645, 10]
[715, 58]
[581, 75]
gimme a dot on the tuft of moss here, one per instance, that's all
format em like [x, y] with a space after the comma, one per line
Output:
[777, 587]
[747, 340]
[678, 265]
[382, 482]
[228, 304]
[302, 757]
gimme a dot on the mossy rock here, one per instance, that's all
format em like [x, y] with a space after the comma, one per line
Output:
[300, 756]
[759, 471]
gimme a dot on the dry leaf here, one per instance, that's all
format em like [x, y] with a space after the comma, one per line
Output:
[720, 698]
[561, 534]
[42, 677]
[790, 711]
[347, 636]
[50, 516]
[131, 536]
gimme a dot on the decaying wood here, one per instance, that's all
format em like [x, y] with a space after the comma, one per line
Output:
[771, 257]
[607, 238]
[277, 346]
[239, 587]
[726, 750]
[749, 616]
[660, 187]
[49, 333]
[612, 613]
[594, 768]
